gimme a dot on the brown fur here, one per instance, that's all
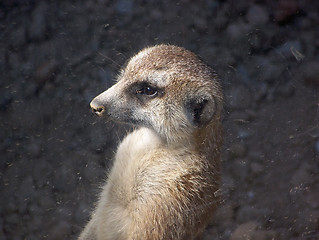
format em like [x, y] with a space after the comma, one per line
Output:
[165, 179]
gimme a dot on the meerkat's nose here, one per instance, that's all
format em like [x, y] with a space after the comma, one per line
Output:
[97, 108]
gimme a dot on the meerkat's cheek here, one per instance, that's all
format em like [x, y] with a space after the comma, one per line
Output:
[141, 118]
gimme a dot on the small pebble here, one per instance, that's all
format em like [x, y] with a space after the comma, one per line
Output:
[124, 6]
[239, 169]
[61, 230]
[46, 72]
[238, 150]
[224, 215]
[301, 177]
[310, 72]
[18, 37]
[257, 15]
[244, 231]
[237, 30]
[257, 168]
[38, 25]
[238, 97]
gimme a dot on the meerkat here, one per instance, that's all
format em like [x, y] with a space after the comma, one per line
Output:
[164, 181]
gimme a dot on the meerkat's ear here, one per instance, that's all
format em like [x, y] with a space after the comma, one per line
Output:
[200, 110]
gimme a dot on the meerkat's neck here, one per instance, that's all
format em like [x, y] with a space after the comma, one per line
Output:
[205, 141]
[208, 140]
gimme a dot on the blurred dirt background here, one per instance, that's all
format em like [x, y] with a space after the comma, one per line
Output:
[55, 56]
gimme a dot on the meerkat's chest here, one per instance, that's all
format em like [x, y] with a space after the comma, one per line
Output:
[129, 162]
[137, 144]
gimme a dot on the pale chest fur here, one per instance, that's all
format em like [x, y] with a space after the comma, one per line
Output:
[142, 164]
[134, 146]
[130, 162]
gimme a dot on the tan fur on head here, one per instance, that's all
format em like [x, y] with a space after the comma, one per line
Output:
[166, 173]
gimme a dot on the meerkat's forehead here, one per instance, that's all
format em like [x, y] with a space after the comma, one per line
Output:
[162, 54]
[139, 56]
[151, 64]
[161, 64]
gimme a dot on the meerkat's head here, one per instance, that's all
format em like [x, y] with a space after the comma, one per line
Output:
[165, 88]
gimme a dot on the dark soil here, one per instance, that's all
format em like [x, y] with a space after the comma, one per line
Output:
[55, 56]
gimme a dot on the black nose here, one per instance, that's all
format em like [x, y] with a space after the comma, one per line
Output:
[98, 109]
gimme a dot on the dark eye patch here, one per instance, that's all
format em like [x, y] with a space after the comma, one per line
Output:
[145, 90]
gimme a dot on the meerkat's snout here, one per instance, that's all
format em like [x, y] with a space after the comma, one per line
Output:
[97, 108]
[99, 104]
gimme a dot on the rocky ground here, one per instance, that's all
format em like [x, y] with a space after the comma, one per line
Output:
[55, 56]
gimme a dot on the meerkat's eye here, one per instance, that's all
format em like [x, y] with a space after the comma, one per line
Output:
[148, 90]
